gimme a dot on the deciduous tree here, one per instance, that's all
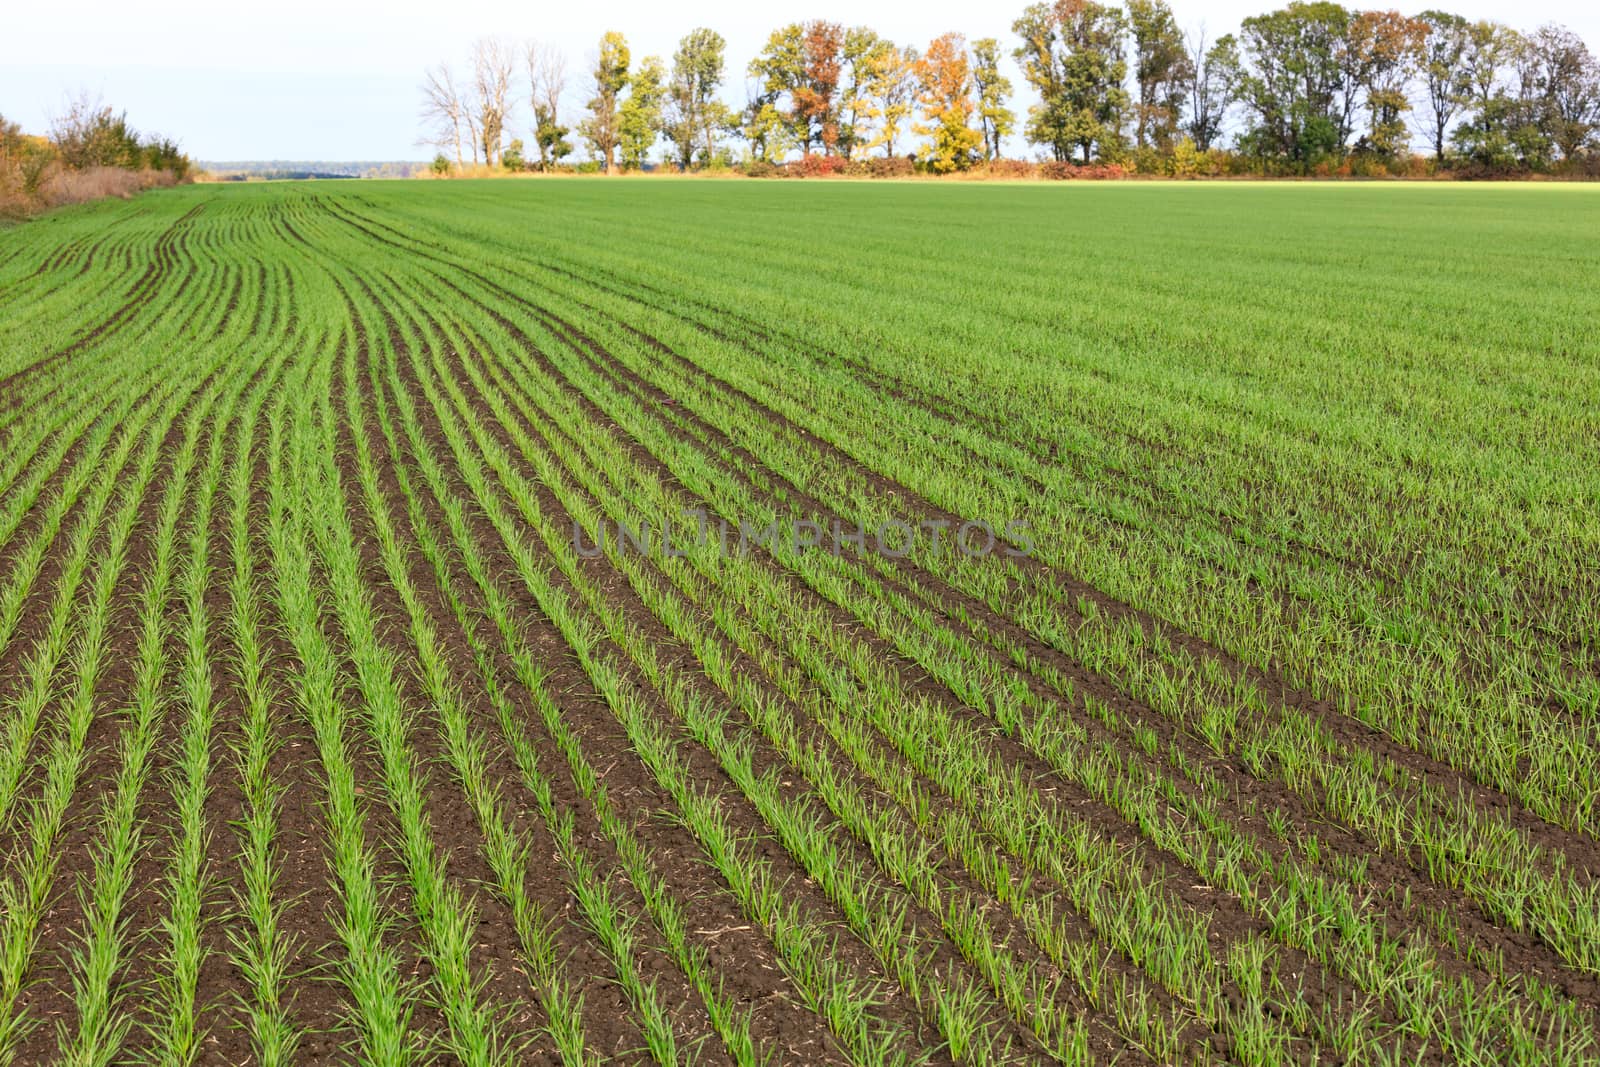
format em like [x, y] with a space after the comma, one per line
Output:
[995, 119]
[890, 95]
[601, 129]
[767, 130]
[799, 72]
[1073, 55]
[1491, 51]
[1161, 71]
[863, 51]
[693, 112]
[816, 98]
[1569, 81]
[779, 70]
[1214, 74]
[1444, 71]
[944, 92]
[639, 115]
[492, 64]
[1387, 50]
[443, 110]
[547, 80]
[1297, 82]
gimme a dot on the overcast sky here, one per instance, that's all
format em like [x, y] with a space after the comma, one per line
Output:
[337, 79]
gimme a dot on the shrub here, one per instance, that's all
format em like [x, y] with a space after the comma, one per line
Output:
[1149, 161]
[815, 166]
[760, 168]
[1010, 169]
[1057, 170]
[91, 135]
[882, 167]
[1186, 160]
[65, 185]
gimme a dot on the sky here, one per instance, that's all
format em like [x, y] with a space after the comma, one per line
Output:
[337, 79]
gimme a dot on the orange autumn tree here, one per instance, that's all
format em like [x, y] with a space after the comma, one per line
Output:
[944, 83]
[816, 97]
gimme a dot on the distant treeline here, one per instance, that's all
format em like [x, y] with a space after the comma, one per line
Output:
[280, 170]
[90, 151]
[1310, 89]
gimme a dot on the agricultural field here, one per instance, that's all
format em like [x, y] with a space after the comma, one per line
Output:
[368, 691]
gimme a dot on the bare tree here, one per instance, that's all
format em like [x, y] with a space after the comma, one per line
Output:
[547, 81]
[443, 109]
[1213, 77]
[492, 63]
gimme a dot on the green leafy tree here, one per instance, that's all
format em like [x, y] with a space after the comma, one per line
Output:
[511, 159]
[1568, 80]
[995, 119]
[551, 137]
[1297, 83]
[1073, 55]
[1484, 137]
[694, 115]
[547, 81]
[767, 130]
[779, 70]
[1161, 70]
[639, 116]
[602, 128]
[1444, 71]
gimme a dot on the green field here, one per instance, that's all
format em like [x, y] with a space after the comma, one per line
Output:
[339, 720]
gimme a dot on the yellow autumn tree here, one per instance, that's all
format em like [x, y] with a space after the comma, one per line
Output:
[888, 95]
[944, 95]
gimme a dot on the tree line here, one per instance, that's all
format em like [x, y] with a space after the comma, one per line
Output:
[1313, 87]
[90, 151]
